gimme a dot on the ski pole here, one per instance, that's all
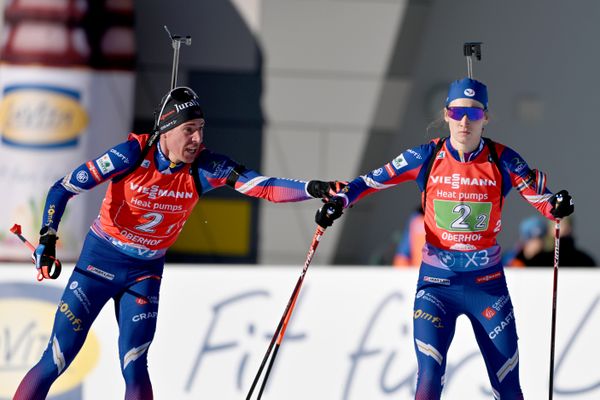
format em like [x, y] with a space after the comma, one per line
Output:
[285, 318]
[46, 271]
[554, 297]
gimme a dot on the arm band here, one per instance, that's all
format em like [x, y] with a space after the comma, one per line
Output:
[234, 175]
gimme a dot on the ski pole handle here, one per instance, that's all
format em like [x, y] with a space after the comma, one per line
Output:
[46, 271]
[16, 229]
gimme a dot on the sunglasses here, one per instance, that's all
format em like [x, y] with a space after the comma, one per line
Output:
[180, 94]
[472, 113]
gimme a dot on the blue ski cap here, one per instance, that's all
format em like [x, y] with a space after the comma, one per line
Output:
[533, 227]
[468, 88]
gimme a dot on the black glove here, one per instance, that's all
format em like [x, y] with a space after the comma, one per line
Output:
[324, 190]
[44, 255]
[330, 211]
[562, 204]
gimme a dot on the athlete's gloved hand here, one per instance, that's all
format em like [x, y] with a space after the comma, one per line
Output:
[562, 204]
[324, 190]
[44, 255]
[330, 211]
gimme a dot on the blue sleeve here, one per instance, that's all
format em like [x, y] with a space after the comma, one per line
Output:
[405, 167]
[87, 176]
[530, 183]
[214, 169]
[513, 167]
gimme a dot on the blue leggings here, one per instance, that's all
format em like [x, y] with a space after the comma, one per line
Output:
[100, 274]
[443, 295]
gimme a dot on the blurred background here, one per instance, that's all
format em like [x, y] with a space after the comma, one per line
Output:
[310, 89]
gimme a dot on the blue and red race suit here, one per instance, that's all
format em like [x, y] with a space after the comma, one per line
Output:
[123, 254]
[461, 271]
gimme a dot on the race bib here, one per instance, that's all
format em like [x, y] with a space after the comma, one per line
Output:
[463, 216]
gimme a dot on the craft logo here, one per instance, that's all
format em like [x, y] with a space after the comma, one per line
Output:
[415, 154]
[27, 317]
[488, 313]
[41, 116]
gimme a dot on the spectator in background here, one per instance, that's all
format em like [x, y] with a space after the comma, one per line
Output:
[409, 251]
[570, 255]
[532, 241]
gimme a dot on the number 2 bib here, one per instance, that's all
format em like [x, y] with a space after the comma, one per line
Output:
[463, 210]
[148, 208]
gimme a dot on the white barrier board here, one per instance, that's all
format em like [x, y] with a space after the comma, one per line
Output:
[350, 337]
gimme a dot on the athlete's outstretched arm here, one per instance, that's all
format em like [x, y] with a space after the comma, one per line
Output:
[278, 190]
[216, 170]
[405, 167]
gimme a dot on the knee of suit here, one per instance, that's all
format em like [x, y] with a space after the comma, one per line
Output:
[135, 360]
[58, 356]
[136, 371]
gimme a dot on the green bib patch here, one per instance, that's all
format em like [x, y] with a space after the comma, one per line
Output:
[462, 216]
